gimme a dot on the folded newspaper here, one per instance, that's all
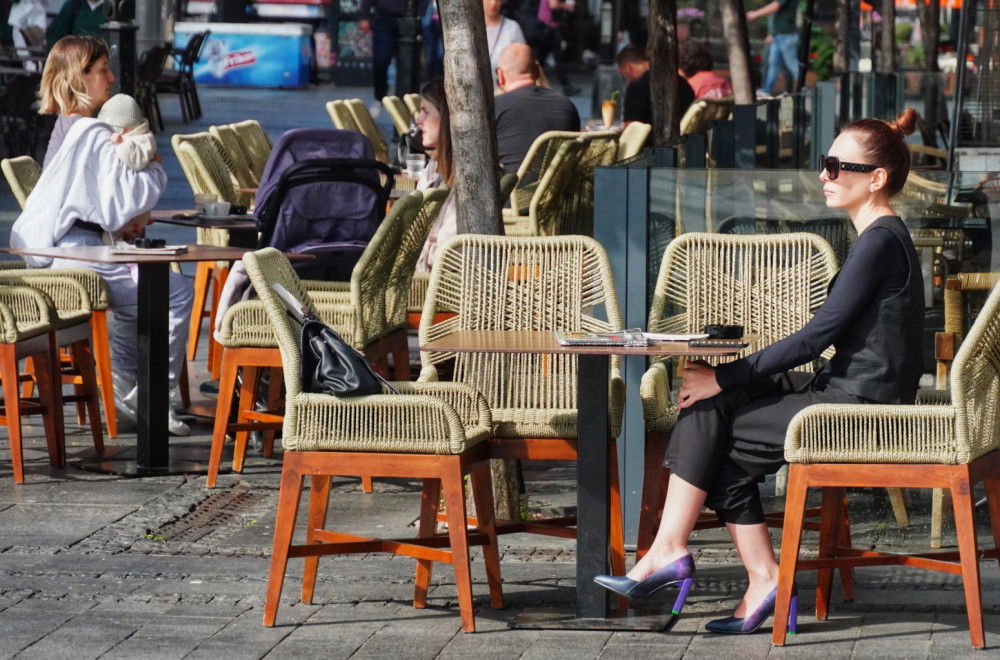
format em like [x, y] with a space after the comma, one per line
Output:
[630, 337]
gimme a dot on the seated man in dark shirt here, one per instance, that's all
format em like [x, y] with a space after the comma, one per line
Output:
[634, 67]
[524, 110]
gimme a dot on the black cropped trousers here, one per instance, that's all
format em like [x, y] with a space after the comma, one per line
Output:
[727, 444]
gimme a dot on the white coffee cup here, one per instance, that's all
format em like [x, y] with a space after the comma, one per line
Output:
[201, 199]
[216, 209]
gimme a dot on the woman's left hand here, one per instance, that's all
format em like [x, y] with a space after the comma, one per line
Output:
[699, 383]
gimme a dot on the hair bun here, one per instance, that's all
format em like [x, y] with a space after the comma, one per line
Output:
[906, 121]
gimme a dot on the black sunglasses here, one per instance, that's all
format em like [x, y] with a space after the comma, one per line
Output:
[834, 165]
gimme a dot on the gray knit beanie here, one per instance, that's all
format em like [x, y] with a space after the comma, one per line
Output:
[121, 111]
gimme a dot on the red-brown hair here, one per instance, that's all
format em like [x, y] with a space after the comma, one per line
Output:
[884, 144]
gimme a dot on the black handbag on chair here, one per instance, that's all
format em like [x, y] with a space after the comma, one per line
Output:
[329, 365]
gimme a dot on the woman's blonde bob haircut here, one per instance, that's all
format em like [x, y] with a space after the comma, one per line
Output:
[63, 90]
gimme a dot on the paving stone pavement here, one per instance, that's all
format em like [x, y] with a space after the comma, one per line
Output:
[98, 566]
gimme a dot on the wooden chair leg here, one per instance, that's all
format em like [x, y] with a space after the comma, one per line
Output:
[654, 491]
[248, 397]
[83, 359]
[102, 360]
[937, 516]
[899, 506]
[273, 399]
[617, 529]
[227, 385]
[284, 527]
[367, 485]
[844, 540]
[214, 348]
[965, 526]
[992, 486]
[791, 539]
[482, 494]
[430, 504]
[201, 285]
[454, 501]
[49, 378]
[319, 498]
[12, 408]
[828, 536]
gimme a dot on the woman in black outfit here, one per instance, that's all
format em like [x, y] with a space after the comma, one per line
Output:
[733, 417]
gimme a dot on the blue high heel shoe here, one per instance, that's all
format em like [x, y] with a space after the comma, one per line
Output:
[678, 571]
[732, 625]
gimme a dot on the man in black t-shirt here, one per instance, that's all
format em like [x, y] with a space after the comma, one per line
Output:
[524, 110]
[634, 67]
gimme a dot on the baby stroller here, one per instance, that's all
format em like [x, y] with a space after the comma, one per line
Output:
[321, 194]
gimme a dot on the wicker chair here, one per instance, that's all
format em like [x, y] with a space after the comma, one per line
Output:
[231, 149]
[398, 112]
[436, 432]
[342, 116]
[27, 330]
[704, 111]
[358, 310]
[771, 285]
[256, 143]
[366, 125]
[22, 174]
[532, 169]
[547, 283]
[956, 292]
[632, 140]
[934, 446]
[600, 148]
[553, 199]
[420, 281]
[412, 102]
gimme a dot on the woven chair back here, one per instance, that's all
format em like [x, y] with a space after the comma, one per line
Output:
[398, 112]
[543, 150]
[975, 385]
[256, 144]
[366, 125]
[704, 111]
[511, 283]
[633, 139]
[507, 184]
[771, 285]
[412, 102]
[838, 231]
[341, 116]
[397, 290]
[373, 272]
[235, 155]
[600, 149]
[203, 165]
[556, 201]
[22, 174]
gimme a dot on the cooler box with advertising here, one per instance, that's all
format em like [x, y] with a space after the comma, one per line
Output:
[251, 54]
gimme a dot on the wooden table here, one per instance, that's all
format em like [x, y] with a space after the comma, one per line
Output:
[152, 439]
[593, 435]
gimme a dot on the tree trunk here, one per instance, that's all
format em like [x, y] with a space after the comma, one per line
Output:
[662, 49]
[468, 85]
[930, 29]
[842, 52]
[887, 55]
[734, 28]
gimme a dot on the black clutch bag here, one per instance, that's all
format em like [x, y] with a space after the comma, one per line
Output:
[329, 365]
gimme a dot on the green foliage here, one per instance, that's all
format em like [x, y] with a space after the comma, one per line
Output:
[904, 30]
[914, 57]
[822, 47]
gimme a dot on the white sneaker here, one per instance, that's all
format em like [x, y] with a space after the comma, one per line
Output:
[175, 425]
[175, 398]
[125, 397]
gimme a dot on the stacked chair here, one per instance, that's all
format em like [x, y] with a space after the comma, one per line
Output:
[527, 283]
[398, 112]
[363, 120]
[953, 446]
[436, 432]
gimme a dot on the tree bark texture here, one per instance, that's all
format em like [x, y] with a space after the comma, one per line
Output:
[842, 51]
[469, 87]
[734, 28]
[663, 70]
[887, 53]
[930, 28]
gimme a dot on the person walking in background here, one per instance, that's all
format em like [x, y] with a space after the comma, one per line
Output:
[77, 17]
[634, 67]
[430, 28]
[541, 22]
[380, 18]
[782, 40]
[697, 67]
[500, 33]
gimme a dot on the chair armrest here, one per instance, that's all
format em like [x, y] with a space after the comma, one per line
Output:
[428, 374]
[246, 324]
[873, 433]
[411, 422]
[467, 401]
[69, 296]
[315, 286]
[654, 391]
[24, 312]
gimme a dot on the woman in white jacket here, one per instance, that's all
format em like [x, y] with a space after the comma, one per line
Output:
[86, 191]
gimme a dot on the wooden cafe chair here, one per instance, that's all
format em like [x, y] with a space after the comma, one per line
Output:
[436, 432]
[952, 446]
[528, 283]
[356, 309]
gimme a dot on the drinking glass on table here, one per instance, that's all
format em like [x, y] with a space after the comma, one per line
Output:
[415, 165]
